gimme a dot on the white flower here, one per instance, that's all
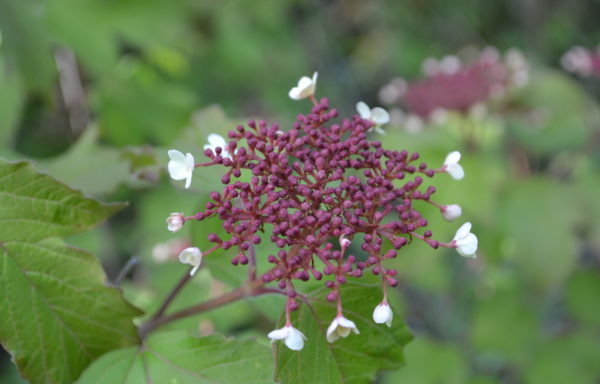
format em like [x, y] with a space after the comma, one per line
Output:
[215, 141]
[465, 242]
[478, 111]
[340, 327]
[293, 338]
[449, 64]
[439, 116]
[413, 124]
[181, 166]
[393, 91]
[191, 256]
[452, 167]
[383, 314]
[451, 212]
[175, 221]
[430, 66]
[305, 88]
[377, 115]
[578, 60]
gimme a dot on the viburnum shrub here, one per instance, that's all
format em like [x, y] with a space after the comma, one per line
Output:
[454, 85]
[314, 190]
[582, 61]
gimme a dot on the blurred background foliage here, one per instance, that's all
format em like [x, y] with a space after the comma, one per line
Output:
[95, 91]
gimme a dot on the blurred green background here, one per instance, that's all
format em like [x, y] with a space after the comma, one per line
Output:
[140, 76]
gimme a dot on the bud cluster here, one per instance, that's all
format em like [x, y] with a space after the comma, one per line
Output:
[314, 190]
[454, 85]
[582, 62]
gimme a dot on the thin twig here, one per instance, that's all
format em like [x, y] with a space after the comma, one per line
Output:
[169, 299]
[72, 89]
[247, 290]
[132, 262]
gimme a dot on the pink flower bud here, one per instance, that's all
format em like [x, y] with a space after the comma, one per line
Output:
[175, 221]
[451, 212]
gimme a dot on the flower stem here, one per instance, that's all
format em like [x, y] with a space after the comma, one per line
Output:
[174, 292]
[252, 263]
[251, 289]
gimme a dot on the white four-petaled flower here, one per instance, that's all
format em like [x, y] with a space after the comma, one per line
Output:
[465, 242]
[191, 256]
[340, 327]
[451, 212]
[175, 221]
[383, 314]
[181, 166]
[377, 116]
[452, 167]
[305, 88]
[293, 338]
[215, 141]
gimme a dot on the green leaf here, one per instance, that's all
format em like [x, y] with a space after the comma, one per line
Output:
[507, 312]
[56, 314]
[176, 357]
[11, 100]
[530, 241]
[571, 358]
[352, 360]
[89, 166]
[583, 291]
[34, 206]
[449, 366]
[138, 106]
[26, 43]
[556, 118]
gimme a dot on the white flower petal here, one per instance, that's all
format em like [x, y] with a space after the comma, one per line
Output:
[304, 82]
[363, 110]
[380, 116]
[177, 171]
[452, 158]
[463, 231]
[295, 339]
[181, 166]
[466, 242]
[383, 314]
[305, 88]
[177, 156]
[278, 334]
[189, 161]
[467, 247]
[194, 270]
[456, 171]
[191, 256]
[216, 141]
[340, 327]
[343, 331]
[345, 323]
[332, 335]
[379, 131]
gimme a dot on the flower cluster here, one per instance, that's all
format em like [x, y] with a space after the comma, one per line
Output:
[315, 190]
[453, 85]
[582, 62]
